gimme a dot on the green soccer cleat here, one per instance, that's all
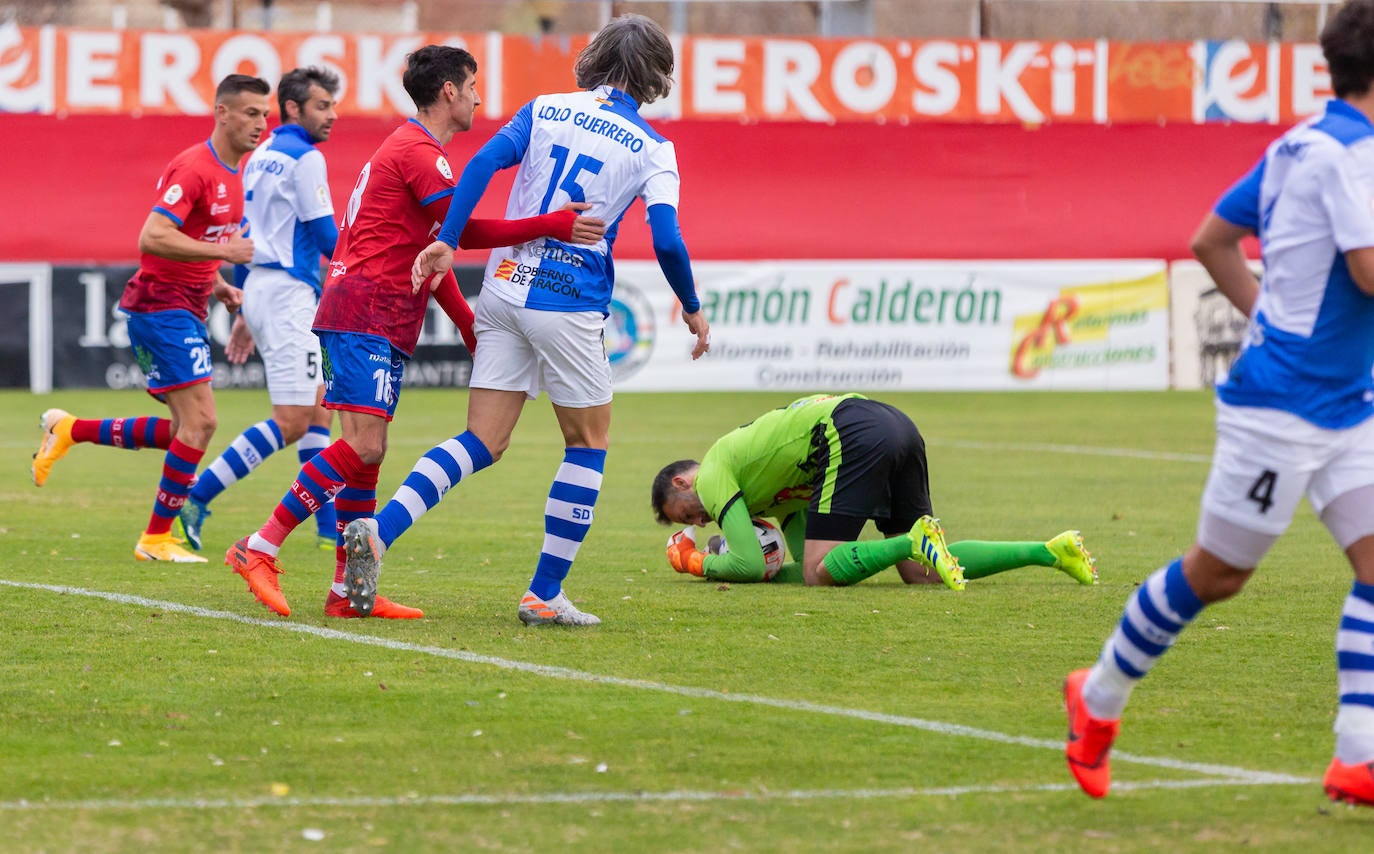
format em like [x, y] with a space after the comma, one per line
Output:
[929, 549]
[190, 521]
[1071, 558]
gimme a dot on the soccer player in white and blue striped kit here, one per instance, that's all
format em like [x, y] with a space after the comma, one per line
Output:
[540, 318]
[291, 220]
[1293, 416]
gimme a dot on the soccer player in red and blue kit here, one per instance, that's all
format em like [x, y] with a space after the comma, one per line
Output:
[370, 318]
[192, 230]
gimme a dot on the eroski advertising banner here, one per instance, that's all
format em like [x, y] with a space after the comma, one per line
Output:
[63, 71]
[906, 325]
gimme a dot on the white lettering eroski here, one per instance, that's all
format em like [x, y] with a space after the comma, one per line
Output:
[379, 73]
[999, 80]
[25, 60]
[167, 62]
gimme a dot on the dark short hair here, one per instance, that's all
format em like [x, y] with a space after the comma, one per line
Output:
[1347, 42]
[631, 53]
[237, 84]
[663, 487]
[430, 67]
[295, 85]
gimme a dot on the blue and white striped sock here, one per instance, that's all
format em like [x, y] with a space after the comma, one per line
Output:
[244, 454]
[1155, 615]
[316, 439]
[439, 470]
[1355, 677]
[567, 517]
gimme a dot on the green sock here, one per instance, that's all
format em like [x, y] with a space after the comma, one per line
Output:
[791, 573]
[981, 558]
[853, 562]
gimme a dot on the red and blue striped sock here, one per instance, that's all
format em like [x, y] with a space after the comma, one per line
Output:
[316, 439]
[131, 433]
[178, 470]
[319, 480]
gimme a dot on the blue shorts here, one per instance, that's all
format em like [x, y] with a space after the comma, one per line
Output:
[172, 349]
[362, 373]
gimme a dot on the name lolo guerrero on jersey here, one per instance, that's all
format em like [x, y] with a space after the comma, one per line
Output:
[598, 125]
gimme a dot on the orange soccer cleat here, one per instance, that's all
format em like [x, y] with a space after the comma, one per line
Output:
[260, 571]
[57, 440]
[383, 608]
[1090, 739]
[1353, 784]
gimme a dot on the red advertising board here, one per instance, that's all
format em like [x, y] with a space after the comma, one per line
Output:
[79, 188]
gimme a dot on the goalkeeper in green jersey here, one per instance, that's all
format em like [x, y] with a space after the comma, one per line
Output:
[824, 466]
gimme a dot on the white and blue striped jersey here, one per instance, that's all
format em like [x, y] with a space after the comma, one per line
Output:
[590, 146]
[1310, 346]
[286, 186]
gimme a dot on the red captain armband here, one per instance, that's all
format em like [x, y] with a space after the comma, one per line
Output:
[450, 299]
[491, 233]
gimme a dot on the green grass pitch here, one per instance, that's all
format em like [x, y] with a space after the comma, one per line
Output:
[159, 707]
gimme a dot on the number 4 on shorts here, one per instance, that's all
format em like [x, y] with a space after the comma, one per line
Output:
[1262, 490]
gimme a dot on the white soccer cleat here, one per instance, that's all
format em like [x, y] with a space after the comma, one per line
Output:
[363, 550]
[558, 611]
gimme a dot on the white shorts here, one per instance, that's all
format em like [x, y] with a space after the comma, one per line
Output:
[562, 353]
[1266, 460]
[279, 310]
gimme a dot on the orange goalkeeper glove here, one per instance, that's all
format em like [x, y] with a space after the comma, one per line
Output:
[683, 554]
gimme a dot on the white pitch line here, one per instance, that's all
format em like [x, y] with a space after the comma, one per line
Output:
[556, 672]
[678, 796]
[1075, 450]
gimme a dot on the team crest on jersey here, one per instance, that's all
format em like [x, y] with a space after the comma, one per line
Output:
[442, 165]
[173, 195]
[629, 331]
[505, 269]
[221, 191]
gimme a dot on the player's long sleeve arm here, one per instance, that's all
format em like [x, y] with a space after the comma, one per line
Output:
[744, 562]
[491, 233]
[451, 300]
[499, 153]
[325, 234]
[673, 259]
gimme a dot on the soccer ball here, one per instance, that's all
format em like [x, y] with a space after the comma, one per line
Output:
[770, 539]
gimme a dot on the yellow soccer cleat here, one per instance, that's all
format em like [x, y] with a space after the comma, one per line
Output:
[57, 440]
[1072, 558]
[164, 547]
[928, 547]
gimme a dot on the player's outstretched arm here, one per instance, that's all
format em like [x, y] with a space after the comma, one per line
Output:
[564, 225]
